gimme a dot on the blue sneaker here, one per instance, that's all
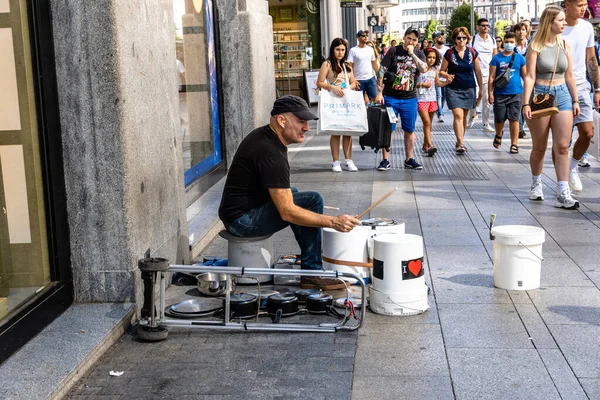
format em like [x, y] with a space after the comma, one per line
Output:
[411, 163]
[384, 165]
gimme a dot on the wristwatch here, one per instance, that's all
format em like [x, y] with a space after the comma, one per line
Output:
[597, 90]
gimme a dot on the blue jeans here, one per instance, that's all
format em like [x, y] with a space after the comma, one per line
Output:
[265, 220]
[440, 95]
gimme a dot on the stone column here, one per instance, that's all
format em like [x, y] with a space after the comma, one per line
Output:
[247, 68]
[117, 85]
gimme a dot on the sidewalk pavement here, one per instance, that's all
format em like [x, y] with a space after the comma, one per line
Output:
[475, 342]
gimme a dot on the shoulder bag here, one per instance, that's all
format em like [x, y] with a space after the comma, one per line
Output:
[500, 81]
[544, 104]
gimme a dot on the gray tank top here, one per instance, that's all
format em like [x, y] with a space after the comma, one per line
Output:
[546, 60]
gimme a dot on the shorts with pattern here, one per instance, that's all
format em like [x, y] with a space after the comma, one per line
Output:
[429, 106]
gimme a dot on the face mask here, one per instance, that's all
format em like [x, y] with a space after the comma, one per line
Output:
[509, 47]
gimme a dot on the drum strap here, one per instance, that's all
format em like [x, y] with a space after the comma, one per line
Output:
[349, 263]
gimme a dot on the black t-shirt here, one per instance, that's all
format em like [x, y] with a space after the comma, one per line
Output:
[400, 80]
[260, 163]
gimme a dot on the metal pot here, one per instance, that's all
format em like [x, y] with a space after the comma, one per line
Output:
[302, 294]
[279, 305]
[319, 303]
[212, 284]
[242, 305]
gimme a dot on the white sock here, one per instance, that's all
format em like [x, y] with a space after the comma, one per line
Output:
[573, 164]
[562, 186]
[335, 163]
[536, 178]
[348, 160]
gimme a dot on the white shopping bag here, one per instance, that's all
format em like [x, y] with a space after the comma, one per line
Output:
[595, 142]
[345, 115]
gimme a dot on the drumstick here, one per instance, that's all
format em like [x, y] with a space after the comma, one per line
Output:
[376, 203]
[331, 208]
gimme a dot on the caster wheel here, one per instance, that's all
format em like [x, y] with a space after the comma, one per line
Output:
[149, 334]
[153, 264]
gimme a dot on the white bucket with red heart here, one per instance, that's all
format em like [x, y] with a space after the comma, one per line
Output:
[398, 277]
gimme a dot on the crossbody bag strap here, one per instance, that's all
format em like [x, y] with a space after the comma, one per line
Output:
[512, 60]
[346, 75]
[555, 65]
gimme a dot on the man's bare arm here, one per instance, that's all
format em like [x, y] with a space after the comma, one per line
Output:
[422, 65]
[592, 67]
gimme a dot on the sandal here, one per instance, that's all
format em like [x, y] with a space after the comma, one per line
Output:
[514, 149]
[460, 149]
[497, 141]
[430, 150]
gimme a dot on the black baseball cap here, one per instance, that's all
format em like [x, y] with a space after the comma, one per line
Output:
[411, 30]
[436, 34]
[295, 105]
[360, 33]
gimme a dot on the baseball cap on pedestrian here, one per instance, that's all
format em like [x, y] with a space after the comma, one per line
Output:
[360, 33]
[411, 30]
[295, 105]
[436, 34]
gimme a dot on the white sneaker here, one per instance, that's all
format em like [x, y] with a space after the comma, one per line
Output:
[471, 121]
[565, 199]
[336, 167]
[488, 128]
[441, 119]
[574, 181]
[350, 166]
[584, 162]
[536, 192]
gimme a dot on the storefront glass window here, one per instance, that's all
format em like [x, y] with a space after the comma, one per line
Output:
[24, 266]
[197, 84]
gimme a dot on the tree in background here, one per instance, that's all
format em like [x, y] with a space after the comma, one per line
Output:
[500, 27]
[432, 27]
[462, 17]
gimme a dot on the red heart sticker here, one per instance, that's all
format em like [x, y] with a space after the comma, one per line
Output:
[415, 267]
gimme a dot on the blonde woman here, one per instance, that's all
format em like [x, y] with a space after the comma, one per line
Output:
[332, 77]
[546, 50]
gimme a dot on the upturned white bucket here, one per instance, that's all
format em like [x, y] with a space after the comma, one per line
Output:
[398, 281]
[517, 256]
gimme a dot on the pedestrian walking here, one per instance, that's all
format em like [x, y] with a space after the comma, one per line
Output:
[486, 49]
[521, 31]
[361, 59]
[499, 44]
[550, 71]
[461, 67]
[332, 77]
[579, 34]
[439, 44]
[506, 92]
[427, 83]
[402, 66]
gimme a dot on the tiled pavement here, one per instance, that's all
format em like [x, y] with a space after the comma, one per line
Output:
[475, 342]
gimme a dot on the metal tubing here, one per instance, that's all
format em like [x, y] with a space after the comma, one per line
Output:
[255, 271]
[227, 297]
[161, 312]
[153, 302]
[249, 326]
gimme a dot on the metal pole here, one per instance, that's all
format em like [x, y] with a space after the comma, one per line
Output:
[493, 30]
[472, 17]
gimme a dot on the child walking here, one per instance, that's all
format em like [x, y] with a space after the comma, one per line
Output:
[426, 93]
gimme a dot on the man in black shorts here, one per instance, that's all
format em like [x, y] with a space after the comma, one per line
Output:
[258, 199]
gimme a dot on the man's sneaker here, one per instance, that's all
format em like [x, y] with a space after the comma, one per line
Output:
[411, 163]
[471, 121]
[536, 192]
[584, 162]
[522, 134]
[350, 166]
[315, 282]
[488, 128]
[384, 165]
[574, 181]
[336, 166]
[565, 199]
[441, 119]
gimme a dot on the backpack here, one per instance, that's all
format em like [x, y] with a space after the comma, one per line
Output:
[448, 55]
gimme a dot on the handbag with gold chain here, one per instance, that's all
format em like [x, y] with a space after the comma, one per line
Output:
[544, 104]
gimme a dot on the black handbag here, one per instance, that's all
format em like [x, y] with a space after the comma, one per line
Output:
[545, 104]
[500, 81]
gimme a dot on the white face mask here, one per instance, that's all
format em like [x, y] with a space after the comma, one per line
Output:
[509, 47]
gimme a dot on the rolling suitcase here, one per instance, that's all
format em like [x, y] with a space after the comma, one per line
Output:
[380, 129]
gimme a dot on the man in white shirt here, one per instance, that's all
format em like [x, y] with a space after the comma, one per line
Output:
[439, 44]
[486, 47]
[363, 62]
[579, 33]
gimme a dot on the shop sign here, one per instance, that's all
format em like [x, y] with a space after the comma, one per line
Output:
[382, 3]
[350, 3]
[286, 14]
[378, 28]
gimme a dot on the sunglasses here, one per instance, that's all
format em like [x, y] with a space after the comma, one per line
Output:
[364, 35]
[484, 26]
[461, 38]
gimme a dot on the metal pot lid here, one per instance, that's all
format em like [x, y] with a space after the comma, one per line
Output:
[209, 313]
[340, 302]
[241, 298]
[283, 298]
[320, 298]
[196, 306]
[302, 294]
[263, 293]
[378, 221]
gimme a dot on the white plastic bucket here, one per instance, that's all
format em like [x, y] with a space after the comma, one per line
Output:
[398, 280]
[517, 256]
[251, 253]
[349, 247]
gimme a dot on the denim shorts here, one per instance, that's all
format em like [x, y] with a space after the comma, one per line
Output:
[560, 93]
[369, 86]
[406, 110]
[586, 104]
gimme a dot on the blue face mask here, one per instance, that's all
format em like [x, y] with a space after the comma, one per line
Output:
[509, 47]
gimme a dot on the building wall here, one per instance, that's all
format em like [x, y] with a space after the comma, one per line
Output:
[119, 116]
[247, 73]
